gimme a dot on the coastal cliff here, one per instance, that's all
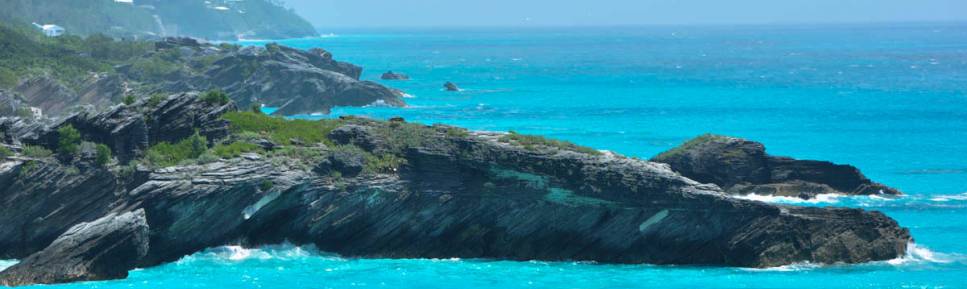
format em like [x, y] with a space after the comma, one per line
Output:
[743, 167]
[367, 188]
[54, 76]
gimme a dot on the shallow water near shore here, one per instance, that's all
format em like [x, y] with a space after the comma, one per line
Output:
[889, 99]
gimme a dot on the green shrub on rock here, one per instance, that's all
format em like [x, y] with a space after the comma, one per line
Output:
[103, 155]
[68, 140]
[36, 152]
[215, 97]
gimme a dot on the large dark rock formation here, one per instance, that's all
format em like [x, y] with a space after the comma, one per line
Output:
[103, 249]
[454, 194]
[130, 130]
[742, 167]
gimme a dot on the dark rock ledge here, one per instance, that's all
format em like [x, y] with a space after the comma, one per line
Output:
[743, 167]
[452, 193]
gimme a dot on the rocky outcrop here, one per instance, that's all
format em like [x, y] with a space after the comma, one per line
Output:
[292, 80]
[390, 75]
[450, 86]
[103, 249]
[130, 130]
[743, 167]
[401, 190]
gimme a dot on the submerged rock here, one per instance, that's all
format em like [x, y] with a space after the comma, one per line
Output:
[743, 167]
[390, 75]
[450, 86]
[106, 248]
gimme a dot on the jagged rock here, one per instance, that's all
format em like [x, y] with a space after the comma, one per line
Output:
[295, 81]
[742, 167]
[130, 130]
[472, 195]
[390, 75]
[450, 86]
[106, 248]
[347, 163]
[357, 135]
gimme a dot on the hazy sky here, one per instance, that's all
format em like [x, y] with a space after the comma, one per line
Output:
[382, 13]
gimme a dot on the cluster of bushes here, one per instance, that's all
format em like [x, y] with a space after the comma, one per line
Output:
[689, 145]
[26, 52]
[280, 130]
[531, 142]
[70, 145]
[215, 97]
[169, 154]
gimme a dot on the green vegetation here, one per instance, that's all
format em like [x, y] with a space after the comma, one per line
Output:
[156, 99]
[167, 154]
[8, 79]
[25, 53]
[265, 18]
[457, 132]
[215, 97]
[103, 155]
[531, 142]
[266, 185]
[280, 130]
[385, 163]
[690, 144]
[399, 136]
[68, 140]
[36, 152]
[129, 99]
[5, 152]
[235, 149]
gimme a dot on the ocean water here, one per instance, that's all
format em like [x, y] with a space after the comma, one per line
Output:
[890, 99]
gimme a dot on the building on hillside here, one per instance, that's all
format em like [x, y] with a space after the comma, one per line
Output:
[50, 30]
[125, 1]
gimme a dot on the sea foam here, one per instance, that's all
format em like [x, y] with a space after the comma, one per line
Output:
[4, 264]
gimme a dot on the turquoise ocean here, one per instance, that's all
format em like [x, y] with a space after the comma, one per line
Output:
[890, 99]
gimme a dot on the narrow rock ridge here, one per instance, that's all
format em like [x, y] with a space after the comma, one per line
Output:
[743, 167]
[103, 249]
[401, 190]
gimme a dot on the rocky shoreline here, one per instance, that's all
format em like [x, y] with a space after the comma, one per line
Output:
[365, 188]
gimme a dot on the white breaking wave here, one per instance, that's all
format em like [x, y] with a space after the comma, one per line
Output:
[917, 255]
[821, 198]
[787, 268]
[378, 103]
[235, 253]
[4, 264]
[947, 198]
[407, 95]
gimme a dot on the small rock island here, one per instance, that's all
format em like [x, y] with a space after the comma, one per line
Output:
[390, 75]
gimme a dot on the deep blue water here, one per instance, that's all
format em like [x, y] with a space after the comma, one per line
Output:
[890, 99]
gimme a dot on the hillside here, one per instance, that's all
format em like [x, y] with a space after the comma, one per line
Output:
[52, 75]
[218, 19]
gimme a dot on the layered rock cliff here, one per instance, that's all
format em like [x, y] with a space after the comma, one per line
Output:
[743, 167]
[368, 188]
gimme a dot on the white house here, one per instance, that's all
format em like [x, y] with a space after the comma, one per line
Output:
[125, 1]
[51, 30]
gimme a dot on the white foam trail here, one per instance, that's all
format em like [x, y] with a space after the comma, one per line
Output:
[786, 268]
[917, 254]
[234, 253]
[821, 198]
[4, 264]
[407, 95]
[947, 198]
